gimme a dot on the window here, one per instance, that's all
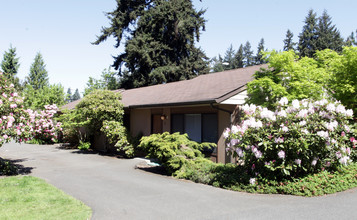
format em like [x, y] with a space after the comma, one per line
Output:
[199, 127]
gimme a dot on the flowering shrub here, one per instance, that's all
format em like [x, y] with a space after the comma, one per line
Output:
[14, 120]
[45, 128]
[297, 139]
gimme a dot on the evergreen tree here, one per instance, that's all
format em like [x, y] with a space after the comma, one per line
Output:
[10, 66]
[76, 95]
[239, 57]
[308, 36]
[69, 95]
[351, 40]
[259, 57]
[248, 54]
[217, 64]
[160, 41]
[288, 42]
[38, 77]
[328, 37]
[228, 61]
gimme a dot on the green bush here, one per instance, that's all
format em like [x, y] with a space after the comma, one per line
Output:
[173, 150]
[83, 145]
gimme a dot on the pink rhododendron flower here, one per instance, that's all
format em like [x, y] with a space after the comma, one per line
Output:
[281, 154]
[297, 161]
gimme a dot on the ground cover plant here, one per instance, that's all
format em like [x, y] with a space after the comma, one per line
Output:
[26, 197]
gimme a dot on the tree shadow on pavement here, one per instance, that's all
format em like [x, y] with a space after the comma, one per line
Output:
[13, 167]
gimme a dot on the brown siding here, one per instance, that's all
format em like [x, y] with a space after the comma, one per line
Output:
[140, 121]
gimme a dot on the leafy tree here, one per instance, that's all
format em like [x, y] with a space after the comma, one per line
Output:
[248, 54]
[343, 70]
[108, 81]
[328, 35]
[76, 95]
[10, 66]
[38, 76]
[259, 57]
[308, 36]
[290, 77]
[288, 42]
[160, 41]
[69, 95]
[239, 57]
[47, 95]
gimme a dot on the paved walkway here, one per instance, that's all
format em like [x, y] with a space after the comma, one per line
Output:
[114, 189]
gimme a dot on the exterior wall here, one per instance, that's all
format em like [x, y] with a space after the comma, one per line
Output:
[140, 121]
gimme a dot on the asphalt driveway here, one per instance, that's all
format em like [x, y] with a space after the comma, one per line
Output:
[114, 189]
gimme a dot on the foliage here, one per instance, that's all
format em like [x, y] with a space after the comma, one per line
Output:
[288, 76]
[343, 69]
[118, 135]
[45, 129]
[234, 177]
[160, 42]
[27, 197]
[108, 81]
[83, 145]
[36, 99]
[76, 95]
[173, 150]
[248, 54]
[288, 41]
[99, 111]
[351, 39]
[259, 57]
[97, 107]
[10, 65]
[318, 34]
[297, 139]
[38, 76]
[14, 121]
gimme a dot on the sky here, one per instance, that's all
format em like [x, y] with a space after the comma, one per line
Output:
[62, 31]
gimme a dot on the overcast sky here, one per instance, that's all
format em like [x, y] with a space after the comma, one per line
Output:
[63, 30]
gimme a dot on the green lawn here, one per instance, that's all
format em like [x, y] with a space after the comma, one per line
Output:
[27, 197]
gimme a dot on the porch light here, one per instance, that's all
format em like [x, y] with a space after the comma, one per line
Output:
[163, 117]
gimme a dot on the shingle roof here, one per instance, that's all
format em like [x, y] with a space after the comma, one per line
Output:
[209, 88]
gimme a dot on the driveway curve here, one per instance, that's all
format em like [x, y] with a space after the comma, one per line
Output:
[114, 189]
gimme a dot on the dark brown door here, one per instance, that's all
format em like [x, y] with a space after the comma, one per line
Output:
[156, 124]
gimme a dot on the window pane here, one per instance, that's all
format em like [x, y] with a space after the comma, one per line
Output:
[177, 123]
[209, 128]
[193, 126]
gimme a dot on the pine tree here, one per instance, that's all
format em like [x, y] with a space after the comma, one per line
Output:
[288, 42]
[239, 57]
[308, 36]
[160, 41]
[38, 76]
[248, 54]
[351, 40]
[10, 66]
[69, 95]
[259, 57]
[217, 64]
[228, 61]
[76, 95]
[328, 37]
